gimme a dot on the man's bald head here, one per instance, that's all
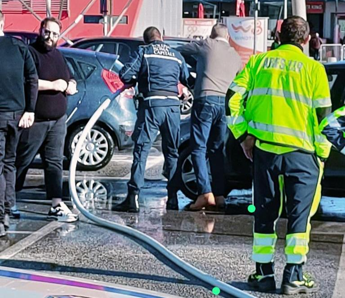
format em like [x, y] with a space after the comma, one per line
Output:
[219, 30]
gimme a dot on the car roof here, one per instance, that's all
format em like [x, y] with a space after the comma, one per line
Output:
[338, 64]
[138, 39]
[88, 53]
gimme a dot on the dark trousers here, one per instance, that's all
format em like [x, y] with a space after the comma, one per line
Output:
[208, 128]
[152, 119]
[9, 137]
[295, 177]
[47, 138]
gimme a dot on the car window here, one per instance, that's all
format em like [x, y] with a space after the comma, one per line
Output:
[336, 78]
[86, 68]
[73, 68]
[124, 52]
[106, 47]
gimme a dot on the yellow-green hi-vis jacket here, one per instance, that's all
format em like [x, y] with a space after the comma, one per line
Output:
[275, 100]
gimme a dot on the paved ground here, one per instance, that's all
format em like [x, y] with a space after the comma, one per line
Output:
[215, 243]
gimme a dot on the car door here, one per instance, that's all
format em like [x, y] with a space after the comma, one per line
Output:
[73, 101]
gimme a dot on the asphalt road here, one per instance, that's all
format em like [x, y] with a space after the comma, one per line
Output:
[216, 243]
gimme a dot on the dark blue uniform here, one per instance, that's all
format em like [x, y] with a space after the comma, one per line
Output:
[158, 69]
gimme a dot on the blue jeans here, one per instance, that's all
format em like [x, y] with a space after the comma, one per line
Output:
[9, 137]
[208, 128]
[151, 119]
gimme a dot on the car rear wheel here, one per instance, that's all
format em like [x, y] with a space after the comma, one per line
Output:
[97, 150]
[187, 103]
[188, 183]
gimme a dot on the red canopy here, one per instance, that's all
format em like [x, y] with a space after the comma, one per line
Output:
[200, 11]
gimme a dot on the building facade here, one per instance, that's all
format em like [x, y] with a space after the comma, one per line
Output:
[327, 17]
[166, 15]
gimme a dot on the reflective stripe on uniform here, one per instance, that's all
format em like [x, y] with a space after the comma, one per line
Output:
[333, 121]
[295, 259]
[236, 120]
[281, 93]
[264, 247]
[238, 89]
[280, 129]
[322, 102]
[162, 57]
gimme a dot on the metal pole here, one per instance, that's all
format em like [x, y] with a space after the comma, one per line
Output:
[60, 10]
[256, 13]
[299, 8]
[77, 20]
[49, 8]
[120, 17]
[285, 9]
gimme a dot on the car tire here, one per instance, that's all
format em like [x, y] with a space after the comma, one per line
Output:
[97, 151]
[186, 104]
[187, 177]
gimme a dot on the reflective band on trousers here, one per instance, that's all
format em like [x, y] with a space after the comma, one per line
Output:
[263, 247]
[296, 248]
[238, 89]
[280, 129]
[282, 93]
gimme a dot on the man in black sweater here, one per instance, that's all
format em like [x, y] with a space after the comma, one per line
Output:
[47, 135]
[17, 105]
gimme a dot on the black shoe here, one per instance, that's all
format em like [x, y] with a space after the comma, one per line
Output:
[297, 282]
[263, 279]
[7, 221]
[2, 230]
[130, 204]
[172, 203]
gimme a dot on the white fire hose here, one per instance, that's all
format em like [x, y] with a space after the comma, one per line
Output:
[213, 282]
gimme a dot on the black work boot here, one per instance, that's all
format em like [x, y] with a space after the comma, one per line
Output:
[172, 202]
[130, 204]
[297, 282]
[263, 279]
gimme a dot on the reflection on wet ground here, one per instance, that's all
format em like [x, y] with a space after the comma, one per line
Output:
[217, 243]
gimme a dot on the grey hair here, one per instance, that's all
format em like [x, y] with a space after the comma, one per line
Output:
[219, 30]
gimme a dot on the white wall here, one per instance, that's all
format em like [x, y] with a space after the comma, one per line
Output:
[163, 14]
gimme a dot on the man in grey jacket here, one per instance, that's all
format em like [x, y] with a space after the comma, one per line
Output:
[217, 65]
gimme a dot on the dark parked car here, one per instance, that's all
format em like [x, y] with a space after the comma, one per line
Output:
[238, 168]
[26, 37]
[97, 79]
[123, 47]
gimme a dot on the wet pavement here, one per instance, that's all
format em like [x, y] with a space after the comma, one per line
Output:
[219, 244]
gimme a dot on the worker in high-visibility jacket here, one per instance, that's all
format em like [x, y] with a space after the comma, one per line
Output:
[276, 105]
[333, 127]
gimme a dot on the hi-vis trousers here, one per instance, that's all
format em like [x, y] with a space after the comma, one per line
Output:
[294, 177]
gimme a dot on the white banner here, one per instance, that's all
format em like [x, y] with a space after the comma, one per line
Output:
[197, 28]
[241, 32]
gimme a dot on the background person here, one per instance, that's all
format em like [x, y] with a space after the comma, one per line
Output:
[47, 135]
[17, 106]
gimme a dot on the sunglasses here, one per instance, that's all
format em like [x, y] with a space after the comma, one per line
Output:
[49, 33]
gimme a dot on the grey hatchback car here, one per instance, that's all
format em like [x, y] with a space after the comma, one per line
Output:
[97, 78]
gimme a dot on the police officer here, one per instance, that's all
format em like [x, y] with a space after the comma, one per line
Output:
[286, 96]
[158, 69]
